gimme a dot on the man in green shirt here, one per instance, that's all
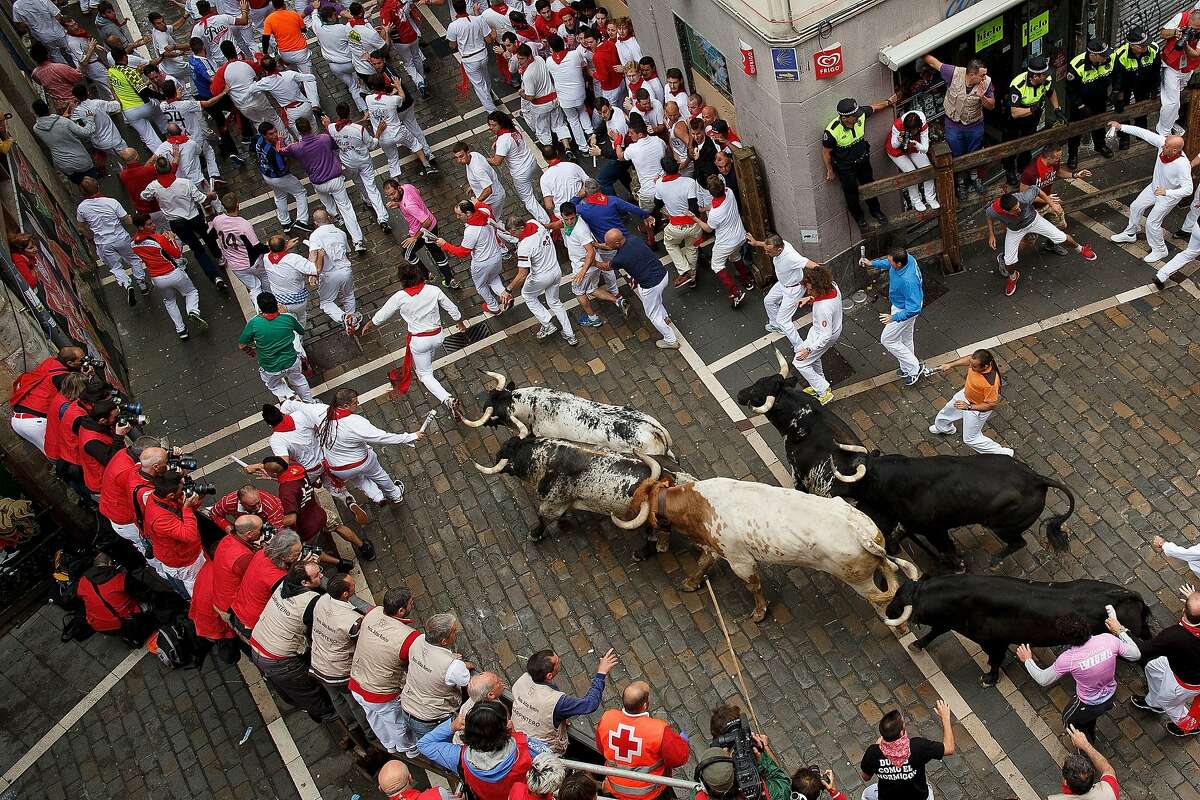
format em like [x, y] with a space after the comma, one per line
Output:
[273, 337]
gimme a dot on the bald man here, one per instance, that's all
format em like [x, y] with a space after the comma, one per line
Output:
[396, 784]
[649, 276]
[630, 738]
[484, 686]
[1172, 660]
[1171, 183]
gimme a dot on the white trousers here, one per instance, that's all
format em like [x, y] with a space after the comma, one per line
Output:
[392, 140]
[1173, 82]
[781, 303]
[811, 370]
[175, 286]
[1183, 257]
[580, 123]
[413, 125]
[301, 61]
[32, 430]
[283, 188]
[548, 286]
[1041, 226]
[345, 71]
[910, 162]
[546, 119]
[1163, 691]
[370, 477]
[680, 243]
[897, 339]
[1158, 208]
[337, 202]
[304, 109]
[498, 199]
[423, 348]
[131, 534]
[656, 312]
[486, 277]
[615, 96]
[254, 278]
[139, 118]
[364, 177]
[413, 60]
[386, 721]
[113, 254]
[277, 383]
[872, 792]
[336, 293]
[523, 186]
[477, 75]
[972, 422]
[184, 577]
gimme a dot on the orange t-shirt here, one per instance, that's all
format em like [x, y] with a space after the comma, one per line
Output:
[288, 29]
[982, 387]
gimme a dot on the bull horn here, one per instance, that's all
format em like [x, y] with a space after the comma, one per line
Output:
[856, 477]
[499, 378]
[636, 522]
[522, 431]
[768, 405]
[783, 364]
[478, 423]
[496, 470]
[900, 620]
[852, 448]
[655, 467]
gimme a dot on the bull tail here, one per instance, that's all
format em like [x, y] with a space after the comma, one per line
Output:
[1054, 532]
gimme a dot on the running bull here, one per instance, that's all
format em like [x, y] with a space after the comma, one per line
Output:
[996, 611]
[552, 414]
[747, 523]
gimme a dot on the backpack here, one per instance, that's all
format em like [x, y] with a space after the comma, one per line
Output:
[172, 645]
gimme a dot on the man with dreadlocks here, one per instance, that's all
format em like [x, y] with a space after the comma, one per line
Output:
[346, 438]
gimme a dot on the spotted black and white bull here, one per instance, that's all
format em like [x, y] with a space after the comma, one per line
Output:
[552, 414]
[810, 431]
[750, 523]
[566, 476]
[996, 611]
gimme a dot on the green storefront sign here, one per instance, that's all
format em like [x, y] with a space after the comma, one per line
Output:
[989, 33]
[1035, 29]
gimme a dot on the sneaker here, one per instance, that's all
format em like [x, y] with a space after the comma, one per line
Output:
[623, 306]
[1140, 702]
[350, 324]
[385, 226]
[933, 203]
[131, 295]
[1001, 267]
[771, 327]
[737, 299]
[1153, 256]
[454, 284]
[1182, 234]
[588, 321]
[198, 321]
[1123, 237]
[880, 217]
[143, 287]
[360, 513]
[183, 335]
[826, 398]
[1010, 285]
[302, 225]
[925, 371]
[911, 380]
[1175, 730]
[663, 344]
[1087, 252]
[545, 331]
[918, 205]
[571, 339]
[423, 90]
[222, 285]
[366, 550]
[933, 429]
[360, 248]
[810, 390]
[1160, 284]
[683, 281]
[488, 309]
[1053, 247]
[432, 168]
[237, 159]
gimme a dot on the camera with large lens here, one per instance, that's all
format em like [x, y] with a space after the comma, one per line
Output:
[268, 533]
[130, 412]
[193, 487]
[181, 461]
[735, 737]
[1191, 36]
[93, 363]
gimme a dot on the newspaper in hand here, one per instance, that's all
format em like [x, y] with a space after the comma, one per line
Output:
[428, 419]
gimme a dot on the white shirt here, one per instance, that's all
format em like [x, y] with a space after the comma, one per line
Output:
[163, 40]
[646, 155]
[516, 154]
[654, 117]
[107, 135]
[354, 143]
[103, 215]
[212, 30]
[39, 16]
[187, 114]
[240, 78]
[1175, 177]
[619, 124]
[629, 50]
[499, 23]
[285, 87]
[333, 38]
[468, 35]
[1188, 555]
[483, 240]
[535, 252]
[675, 194]
[577, 240]
[480, 176]
[288, 276]
[189, 158]
[300, 445]
[789, 266]
[332, 241]
[421, 312]
[363, 40]
[562, 182]
[384, 108]
[181, 200]
[679, 100]
[726, 222]
[536, 82]
[350, 439]
[567, 74]
[826, 322]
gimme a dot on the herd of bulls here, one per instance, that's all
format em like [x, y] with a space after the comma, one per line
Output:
[578, 455]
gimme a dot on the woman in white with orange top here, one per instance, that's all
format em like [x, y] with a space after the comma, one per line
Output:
[973, 404]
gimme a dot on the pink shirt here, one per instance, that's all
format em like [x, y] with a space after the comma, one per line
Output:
[1094, 667]
[414, 209]
[229, 231]
[59, 80]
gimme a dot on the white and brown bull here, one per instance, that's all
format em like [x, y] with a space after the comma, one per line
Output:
[747, 523]
[553, 414]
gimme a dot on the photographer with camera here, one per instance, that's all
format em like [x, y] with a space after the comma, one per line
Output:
[264, 569]
[70, 466]
[809, 782]
[33, 391]
[1180, 57]
[900, 761]
[629, 738]
[116, 603]
[101, 436]
[737, 766]
[116, 490]
[173, 531]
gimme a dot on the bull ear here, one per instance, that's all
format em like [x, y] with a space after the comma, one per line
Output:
[876, 452]
[510, 386]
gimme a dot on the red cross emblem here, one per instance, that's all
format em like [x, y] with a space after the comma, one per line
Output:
[623, 744]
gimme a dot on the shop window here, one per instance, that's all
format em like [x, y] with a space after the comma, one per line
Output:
[703, 58]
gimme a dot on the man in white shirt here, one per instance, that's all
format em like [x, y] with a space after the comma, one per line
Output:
[242, 32]
[511, 148]
[294, 94]
[472, 38]
[561, 180]
[214, 29]
[1172, 182]
[679, 197]
[107, 137]
[43, 20]
[582, 248]
[783, 299]
[645, 152]
[241, 82]
[483, 180]
[481, 241]
[329, 251]
[567, 69]
[174, 56]
[355, 143]
[333, 35]
[383, 106]
[363, 39]
[545, 115]
[103, 220]
[95, 67]
[649, 109]
[290, 276]
[186, 152]
[181, 203]
[538, 274]
[725, 222]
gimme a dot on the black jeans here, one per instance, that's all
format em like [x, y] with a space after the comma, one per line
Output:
[440, 260]
[1084, 717]
[220, 113]
[851, 176]
[195, 234]
[290, 678]
[1082, 108]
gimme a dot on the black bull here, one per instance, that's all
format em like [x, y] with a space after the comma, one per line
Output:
[997, 611]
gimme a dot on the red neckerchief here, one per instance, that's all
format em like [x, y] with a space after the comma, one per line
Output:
[413, 291]
[295, 472]
[342, 413]
[530, 229]
[624, 38]
[559, 56]
[597, 199]
[288, 424]
[166, 180]
[832, 294]
[999, 209]
[499, 8]
[635, 85]
[358, 21]
[478, 218]
[206, 16]
[653, 77]
[272, 315]
[180, 139]
[666, 177]
[275, 258]
[341, 123]
[553, 161]
[503, 131]
[532, 36]
[1163, 158]
[1194, 630]
[718, 200]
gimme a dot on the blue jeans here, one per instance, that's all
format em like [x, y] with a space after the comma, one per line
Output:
[414, 729]
[612, 173]
[964, 140]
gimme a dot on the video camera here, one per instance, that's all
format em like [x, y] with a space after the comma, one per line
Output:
[308, 552]
[736, 738]
[193, 487]
[181, 462]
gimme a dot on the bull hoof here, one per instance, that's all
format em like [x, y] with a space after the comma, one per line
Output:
[759, 615]
[988, 680]
[689, 585]
[916, 646]
[647, 550]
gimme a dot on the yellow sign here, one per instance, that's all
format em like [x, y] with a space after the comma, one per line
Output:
[989, 33]
[1035, 28]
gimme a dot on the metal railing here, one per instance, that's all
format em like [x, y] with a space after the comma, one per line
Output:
[617, 772]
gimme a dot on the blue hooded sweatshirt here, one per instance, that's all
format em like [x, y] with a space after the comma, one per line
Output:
[904, 287]
[438, 746]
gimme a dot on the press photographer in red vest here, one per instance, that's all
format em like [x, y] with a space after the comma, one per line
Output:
[116, 490]
[72, 387]
[101, 436]
[33, 390]
[116, 603]
[173, 531]
[70, 464]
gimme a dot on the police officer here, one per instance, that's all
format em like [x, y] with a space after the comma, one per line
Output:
[1027, 96]
[1088, 82]
[847, 154]
[1135, 75]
